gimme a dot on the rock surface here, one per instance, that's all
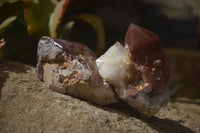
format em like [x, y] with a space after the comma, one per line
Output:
[27, 106]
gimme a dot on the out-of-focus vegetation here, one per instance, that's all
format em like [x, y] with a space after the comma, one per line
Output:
[23, 22]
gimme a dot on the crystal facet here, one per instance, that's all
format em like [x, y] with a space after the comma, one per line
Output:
[136, 73]
[139, 71]
[70, 68]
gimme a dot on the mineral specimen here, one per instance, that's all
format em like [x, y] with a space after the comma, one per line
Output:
[136, 73]
[139, 71]
[70, 68]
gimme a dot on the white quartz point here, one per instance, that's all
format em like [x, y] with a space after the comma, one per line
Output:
[113, 67]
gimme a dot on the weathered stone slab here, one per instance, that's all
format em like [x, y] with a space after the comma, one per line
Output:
[28, 106]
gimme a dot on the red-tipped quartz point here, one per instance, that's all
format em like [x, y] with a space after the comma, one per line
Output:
[149, 56]
[138, 71]
[150, 61]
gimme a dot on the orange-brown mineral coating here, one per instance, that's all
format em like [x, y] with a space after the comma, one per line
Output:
[149, 57]
[70, 68]
[49, 50]
[57, 50]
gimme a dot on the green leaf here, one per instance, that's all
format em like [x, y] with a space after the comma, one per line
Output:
[56, 17]
[7, 1]
[19, 45]
[37, 17]
[8, 21]
[12, 9]
[65, 29]
[12, 1]
[96, 23]
[77, 6]
[177, 88]
[1, 55]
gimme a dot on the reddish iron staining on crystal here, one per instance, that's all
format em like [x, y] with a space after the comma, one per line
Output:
[147, 52]
[69, 67]
[137, 73]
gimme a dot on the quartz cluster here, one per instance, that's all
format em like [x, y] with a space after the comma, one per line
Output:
[136, 73]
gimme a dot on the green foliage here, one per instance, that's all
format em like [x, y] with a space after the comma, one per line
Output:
[96, 23]
[12, 9]
[7, 1]
[56, 17]
[19, 45]
[39, 18]
[177, 88]
[66, 29]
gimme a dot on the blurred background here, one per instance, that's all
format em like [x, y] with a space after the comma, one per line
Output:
[100, 23]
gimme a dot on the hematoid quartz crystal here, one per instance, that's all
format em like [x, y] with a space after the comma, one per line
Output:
[136, 73]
